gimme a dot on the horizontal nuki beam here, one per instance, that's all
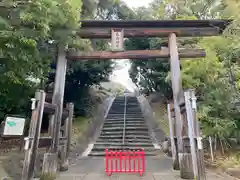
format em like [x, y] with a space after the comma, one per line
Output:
[47, 141]
[135, 54]
[51, 108]
[151, 32]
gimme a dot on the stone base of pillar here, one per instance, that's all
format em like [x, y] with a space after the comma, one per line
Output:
[186, 169]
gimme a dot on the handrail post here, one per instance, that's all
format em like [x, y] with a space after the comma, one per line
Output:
[67, 134]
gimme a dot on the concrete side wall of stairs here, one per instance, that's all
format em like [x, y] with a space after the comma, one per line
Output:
[156, 132]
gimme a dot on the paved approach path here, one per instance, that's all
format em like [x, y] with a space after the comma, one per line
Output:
[158, 168]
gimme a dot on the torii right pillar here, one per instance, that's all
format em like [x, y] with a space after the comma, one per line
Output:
[182, 156]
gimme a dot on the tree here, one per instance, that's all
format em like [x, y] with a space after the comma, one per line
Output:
[149, 75]
[25, 29]
[215, 78]
[82, 75]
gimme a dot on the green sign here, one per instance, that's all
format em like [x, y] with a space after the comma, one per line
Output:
[11, 123]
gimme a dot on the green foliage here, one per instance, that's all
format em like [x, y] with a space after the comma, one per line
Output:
[149, 75]
[30, 31]
[25, 52]
[29, 34]
[215, 78]
[82, 75]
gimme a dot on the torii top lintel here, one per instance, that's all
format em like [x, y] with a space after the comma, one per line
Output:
[152, 28]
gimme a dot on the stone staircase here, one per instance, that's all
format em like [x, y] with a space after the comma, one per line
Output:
[124, 128]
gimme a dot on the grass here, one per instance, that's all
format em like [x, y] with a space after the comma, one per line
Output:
[230, 160]
[233, 160]
[229, 163]
[48, 176]
[161, 116]
[80, 125]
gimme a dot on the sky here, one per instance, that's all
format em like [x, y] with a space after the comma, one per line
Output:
[121, 75]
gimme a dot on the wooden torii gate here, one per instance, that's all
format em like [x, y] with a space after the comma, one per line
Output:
[101, 29]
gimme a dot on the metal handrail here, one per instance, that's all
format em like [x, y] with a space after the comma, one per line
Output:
[124, 119]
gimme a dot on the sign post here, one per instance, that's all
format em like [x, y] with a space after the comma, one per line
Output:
[117, 40]
[14, 126]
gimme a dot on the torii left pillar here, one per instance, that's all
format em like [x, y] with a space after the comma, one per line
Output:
[51, 158]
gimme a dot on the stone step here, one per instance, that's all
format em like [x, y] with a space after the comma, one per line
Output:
[131, 123]
[119, 140]
[120, 128]
[128, 121]
[103, 154]
[128, 114]
[118, 106]
[127, 138]
[114, 118]
[122, 123]
[102, 151]
[133, 109]
[117, 115]
[132, 105]
[127, 144]
[120, 110]
[133, 117]
[129, 131]
[119, 136]
[116, 112]
[127, 118]
[127, 148]
[126, 133]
